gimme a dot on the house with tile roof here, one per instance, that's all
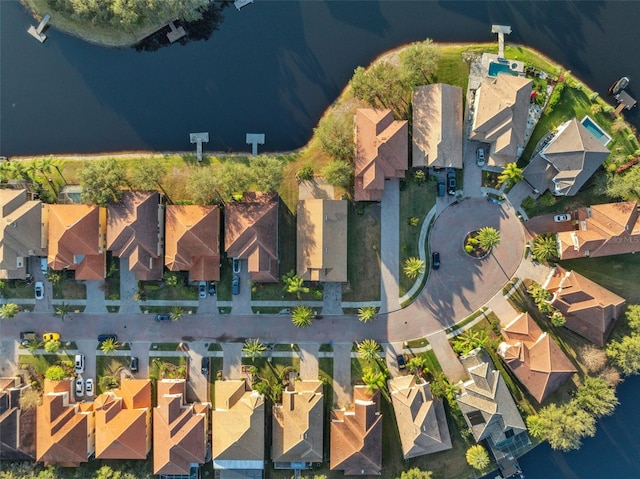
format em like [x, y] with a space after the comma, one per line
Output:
[21, 232]
[356, 435]
[567, 161]
[437, 126]
[251, 233]
[77, 240]
[179, 431]
[322, 240]
[488, 407]
[65, 432]
[421, 419]
[534, 357]
[603, 230]
[500, 111]
[238, 424]
[123, 421]
[17, 425]
[192, 241]
[135, 232]
[589, 309]
[297, 426]
[382, 152]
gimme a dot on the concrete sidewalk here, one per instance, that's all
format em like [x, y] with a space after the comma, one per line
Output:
[390, 246]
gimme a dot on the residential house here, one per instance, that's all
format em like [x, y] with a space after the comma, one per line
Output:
[65, 432]
[135, 233]
[382, 152]
[17, 425]
[238, 424]
[589, 309]
[21, 233]
[322, 240]
[179, 431]
[192, 241]
[437, 126]
[356, 435]
[297, 426]
[77, 240]
[421, 419]
[251, 233]
[500, 112]
[603, 230]
[567, 161]
[534, 357]
[123, 421]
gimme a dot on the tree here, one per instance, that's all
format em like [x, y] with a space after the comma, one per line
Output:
[302, 316]
[176, 313]
[413, 267]
[538, 293]
[632, 314]
[102, 181]
[335, 134]
[418, 363]
[557, 319]
[592, 357]
[305, 173]
[109, 345]
[511, 175]
[626, 185]
[381, 85]
[33, 345]
[52, 346]
[477, 457]
[442, 387]
[625, 354]
[267, 172]
[62, 310]
[545, 247]
[233, 179]
[563, 427]
[488, 238]
[54, 277]
[30, 398]
[367, 314]
[374, 380]
[148, 175]
[338, 173]
[369, 350]
[202, 186]
[420, 62]
[253, 348]
[9, 310]
[597, 397]
[415, 473]
[470, 340]
[55, 373]
[294, 284]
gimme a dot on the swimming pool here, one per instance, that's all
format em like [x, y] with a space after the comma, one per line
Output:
[595, 130]
[495, 68]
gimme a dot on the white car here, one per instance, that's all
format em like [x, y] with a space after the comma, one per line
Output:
[562, 218]
[79, 363]
[237, 267]
[88, 387]
[202, 289]
[79, 387]
[39, 290]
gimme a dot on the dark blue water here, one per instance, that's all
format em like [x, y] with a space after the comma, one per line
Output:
[272, 68]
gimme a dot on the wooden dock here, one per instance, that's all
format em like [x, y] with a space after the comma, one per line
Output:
[38, 32]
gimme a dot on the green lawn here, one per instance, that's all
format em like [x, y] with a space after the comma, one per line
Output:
[164, 346]
[14, 288]
[41, 362]
[109, 366]
[215, 365]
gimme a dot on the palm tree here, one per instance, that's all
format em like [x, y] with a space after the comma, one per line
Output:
[374, 380]
[109, 345]
[369, 350]
[253, 348]
[477, 457]
[62, 310]
[538, 293]
[413, 267]
[545, 247]
[302, 316]
[418, 363]
[488, 237]
[367, 313]
[9, 310]
[176, 313]
[30, 398]
[557, 319]
[470, 340]
[510, 175]
[294, 284]
[33, 345]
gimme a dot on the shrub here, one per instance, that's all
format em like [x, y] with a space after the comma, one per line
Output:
[468, 248]
[55, 373]
[547, 199]
[595, 108]
[305, 174]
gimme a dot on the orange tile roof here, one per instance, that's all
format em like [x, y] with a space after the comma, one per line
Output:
[192, 241]
[251, 233]
[123, 421]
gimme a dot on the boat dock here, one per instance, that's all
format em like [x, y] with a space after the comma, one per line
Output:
[624, 101]
[198, 139]
[175, 33]
[38, 32]
[501, 30]
[255, 139]
[241, 3]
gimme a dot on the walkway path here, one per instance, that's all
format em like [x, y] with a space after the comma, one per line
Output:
[332, 298]
[342, 390]
[232, 364]
[308, 360]
[95, 297]
[128, 289]
[390, 246]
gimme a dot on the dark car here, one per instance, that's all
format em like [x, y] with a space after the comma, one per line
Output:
[103, 337]
[204, 366]
[163, 317]
[402, 364]
[451, 183]
[435, 260]
[212, 289]
[133, 365]
[441, 187]
[235, 285]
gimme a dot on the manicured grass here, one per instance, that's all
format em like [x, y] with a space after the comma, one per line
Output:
[14, 288]
[466, 320]
[158, 290]
[41, 362]
[164, 346]
[223, 288]
[214, 347]
[363, 253]
[417, 343]
[71, 289]
[215, 365]
[109, 366]
[175, 363]
[325, 348]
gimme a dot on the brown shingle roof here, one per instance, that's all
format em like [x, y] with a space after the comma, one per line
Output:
[382, 151]
[192, 241]
[421, 420]
[17, 426]
[534, 357]
[589, 309]
[322, 240]
[123, 421]
[179, 430]
[251, 233]
[437, 126]
[297, 427]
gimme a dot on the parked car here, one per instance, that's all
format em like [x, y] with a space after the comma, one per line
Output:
[441, 187]
[163, 317]
[51, 337]
[44, 266]
[202, 289]
[451, 183]
[103, 337]
[204, 365]
[133, 365]
[79, 387]
[39, 290]
[28, 336]
[212, 289]
[562, 218]
[435, 260]
[235, 285]
[402, 364]
[89, 389]
[237, 267]
[480, 157]
[79, 363]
